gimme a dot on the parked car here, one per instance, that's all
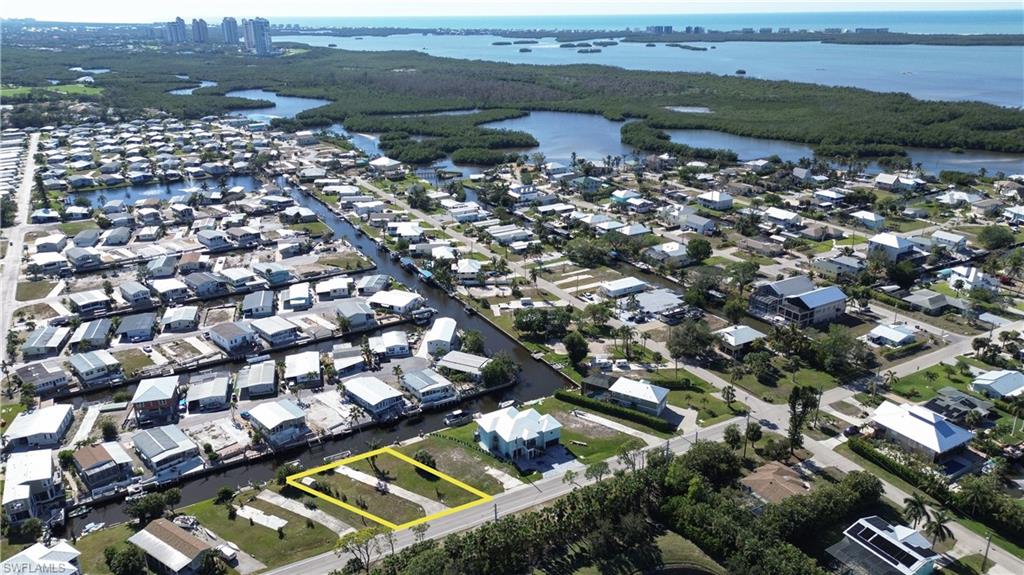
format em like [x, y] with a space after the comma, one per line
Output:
[851, 431]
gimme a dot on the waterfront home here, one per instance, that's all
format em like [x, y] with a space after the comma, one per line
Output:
[170, 289]
[208, 391]
[429, 387]
[90, 302]
[44, 216]
[920, 430]
[298, 297]
[33, 487]
[257, 380]
[385, 166]
[280, 422]
[169, 549]
[517, 435]
[390, 344]
[155, 401]
[623, 287]
[780, 217]
[42, 427]
[47, 377]
[193, 262]
[1014, 214]
[668, 253]
[970, 278]
[873, 545]
[372, 283]
[45, 340]
[838, 265]
[999, 384]
[214, 240]
[735, 340]
[463, 362]
[258, 304]
[949, 240]
[161, 448]
[897, 183]
[714, 200]
[396, 301]
[276, 330]
[244, 235]
[373, 395]
[237, 278]
[58, 557]
[162, 267]
[638, 395]
[104, 466]
[232, 337]
[137, 327]
[303, 369]
[182, 318]
[273, 272]
[135, 294]
[468, 271]
[297, 215]
[336, 287]
[206, 284]
[441, 336]
[892, 335]
[797, 300]
[93, 367]
[48, 263]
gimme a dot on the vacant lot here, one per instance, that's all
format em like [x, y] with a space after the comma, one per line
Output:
[132, 360]
[588, 441]
[419, 481]
[384, 505]
[28, 291]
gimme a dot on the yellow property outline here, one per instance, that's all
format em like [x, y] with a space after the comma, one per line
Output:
[293, 480]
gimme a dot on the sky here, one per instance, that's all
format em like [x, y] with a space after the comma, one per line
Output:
[136, 11]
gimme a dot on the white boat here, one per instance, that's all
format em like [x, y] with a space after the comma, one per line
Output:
[458, 417]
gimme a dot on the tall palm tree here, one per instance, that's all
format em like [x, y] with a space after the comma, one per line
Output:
[936, 527]
[890, 378]
[915, 509]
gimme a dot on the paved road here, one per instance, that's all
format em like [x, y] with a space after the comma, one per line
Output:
[16, 237]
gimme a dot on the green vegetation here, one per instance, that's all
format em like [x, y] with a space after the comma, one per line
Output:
[366, 87]
[408, 476]
[71, 229]
[8, 411]
[300, 538]
[314, 229]
[466, 465]
[654, 423]
[384, 505]
[691, 392]
[923, 385]
[92, 545]
[589, 442]
[672, 551]
[70, 89]
[28, 291]
[132, 360]
[461, 441]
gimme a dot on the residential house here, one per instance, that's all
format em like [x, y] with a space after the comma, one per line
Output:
[135, 294]
[103, 467]
[47, 377]
[638, 395]
[170, 290]
[893, 335]
[797, 300]
[41, 427]
[372, 283]
[518, 435]
[737, 339]
[232, 337]
[775, 481]
[87, 303]
[869, 220]
[393, 343]
[33, 487]
[839, 265]
[357, 313]
[276, 330]
[873, 545]
[441, 336]
[280, 422]
[429, 387]
[137, 327]
[956, 405]
[58, 557]
[52, 243]
[336, 287]
[920, 430]
[274, 273]
[214, 240]
[970, 278]
[48, 263]
[162, 267]
[623, 287]
[181, 318]
[718, 201]
[303, 369]
[206, 284]
[155, 401]
[298, 297]
[379, 399]
[257, 380]
[45, 340]
[258, 304]
[208, 391]
[669, 254]
[396, 301]
[165, 447]
[169, 549]
[999, 384]
[93, 367]
[949, 240]
[462, 362]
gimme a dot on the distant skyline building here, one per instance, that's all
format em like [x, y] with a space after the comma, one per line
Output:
[200, 32]
[229, 27]
[174, 32]
[257, 36]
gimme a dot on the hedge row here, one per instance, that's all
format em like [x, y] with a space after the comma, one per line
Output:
[640, 417]
[909, 349]
[684, 384]
[924, 482]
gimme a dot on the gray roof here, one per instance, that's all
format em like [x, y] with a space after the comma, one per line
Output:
[137, 322]
[424, 379]
[352, 307]
[264, 298]
[93, 330]
[155, 443]
[821, 296]
[156, 389]
[792, 286]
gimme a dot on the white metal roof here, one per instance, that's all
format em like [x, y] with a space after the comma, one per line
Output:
[24, 468]
[370, 389]
[273, 413]
[298, 364]
[737, 335]
[921, 426]
[1002, 383]
[443, 329]
[638, 389]
[511, 424]
[45, 420]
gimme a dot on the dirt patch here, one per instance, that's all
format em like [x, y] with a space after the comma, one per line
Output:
[216, 315]
[583, 426]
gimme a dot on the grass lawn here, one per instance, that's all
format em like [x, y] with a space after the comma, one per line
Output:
[346, 261]
[905, 225]
[299, 541]
[28, 291]
[132, 360]
[312, 228]
[924, 385]
[846, 408]
[967, 565]
[710, 410]
[8, 411]
[673, 551]
[71, 89]
[587, 441]
[777, 390]
[72, 228]
[462, 438]
[92, 545]
[566, 366]
[384, 505]
[462, 463]
[410, 477]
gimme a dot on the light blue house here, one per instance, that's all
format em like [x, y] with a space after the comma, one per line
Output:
[514, 434]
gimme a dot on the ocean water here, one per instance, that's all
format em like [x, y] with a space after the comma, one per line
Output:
[991, 74]
[937, 22]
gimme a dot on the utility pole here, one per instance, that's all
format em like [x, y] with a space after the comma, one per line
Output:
[495, 511]
[988, 543]
[745, 435]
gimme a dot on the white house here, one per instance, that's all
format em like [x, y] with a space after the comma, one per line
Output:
[949, 240]
[281, 422]
[302, 368]
[441, 336]
[393, 343]
[396, 301]
[781, 217]
[920, 430]
[639, 395]
[737, 338]
[869, 220]
[43, 427]
[232, 336]
[336, 287]
[257, 380]
[513, 434]
[873, 545]
[276, 330]
[376, 397]
[298, 297]
[891, 246]
[1003, 383]
[60, 558]
[970, 278]
[429, 387]
[623, 287]
[93, 366]
[893, 335]
[32, 486]
[718, 201]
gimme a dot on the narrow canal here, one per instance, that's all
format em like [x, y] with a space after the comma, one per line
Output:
[536, 380]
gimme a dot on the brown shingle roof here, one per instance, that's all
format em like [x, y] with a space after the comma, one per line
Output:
[774, 482]
[181, 540]
[91, 456]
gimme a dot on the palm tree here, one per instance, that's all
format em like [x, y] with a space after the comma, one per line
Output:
[397, 371]
[890, 378]
[915, 509]
[936, 527]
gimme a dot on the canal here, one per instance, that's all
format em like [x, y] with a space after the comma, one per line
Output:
[536, 380]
